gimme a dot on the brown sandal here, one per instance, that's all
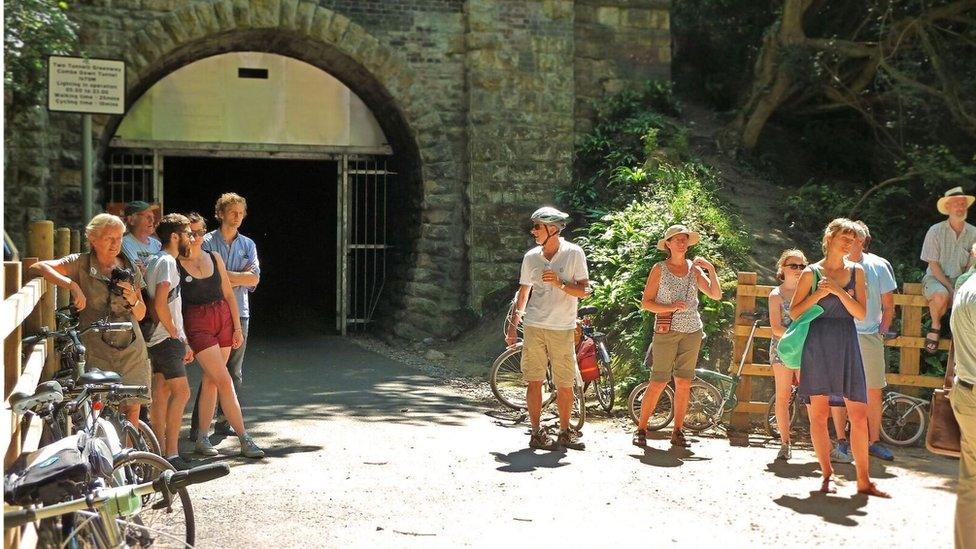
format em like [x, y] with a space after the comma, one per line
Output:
[678, 439]
[640, 438]
[828, 486]
[932, 343]
[872, 490]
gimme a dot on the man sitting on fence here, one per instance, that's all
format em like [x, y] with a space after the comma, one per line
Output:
[946, 250]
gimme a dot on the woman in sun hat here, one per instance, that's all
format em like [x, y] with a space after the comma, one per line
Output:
[671, 293]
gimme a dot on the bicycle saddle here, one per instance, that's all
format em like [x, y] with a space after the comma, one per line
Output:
[99, 377]
[47, 392]
[589, 310]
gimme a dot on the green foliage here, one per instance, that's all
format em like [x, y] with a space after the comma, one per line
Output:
[634, 184]
[33, 30]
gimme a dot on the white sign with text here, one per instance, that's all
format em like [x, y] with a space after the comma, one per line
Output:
[76, 84]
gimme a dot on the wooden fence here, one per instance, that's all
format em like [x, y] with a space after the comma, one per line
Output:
[26, 308]
[910, 342]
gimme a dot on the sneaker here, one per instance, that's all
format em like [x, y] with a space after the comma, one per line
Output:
[204, 448]
[785, 452]
[178, 463]
[541, 440]
[571, 440]
[223, 428]
[192, 436]
[841, 453]
[248, 448]
[878, 450]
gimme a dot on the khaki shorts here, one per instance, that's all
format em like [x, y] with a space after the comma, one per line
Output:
[932, 286]
[675, 354]
[873, 357]
[540, 347]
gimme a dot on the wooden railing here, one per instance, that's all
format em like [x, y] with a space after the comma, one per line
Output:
[910, 342]
[26, 308]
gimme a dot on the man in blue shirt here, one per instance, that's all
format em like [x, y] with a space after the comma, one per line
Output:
[240, 256]
[880, 281]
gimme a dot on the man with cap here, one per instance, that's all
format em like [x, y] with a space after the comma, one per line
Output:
[139, 243]
[963, 399]
[946, 250]
[555, 274]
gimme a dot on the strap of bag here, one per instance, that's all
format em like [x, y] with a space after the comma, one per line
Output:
[950, 368]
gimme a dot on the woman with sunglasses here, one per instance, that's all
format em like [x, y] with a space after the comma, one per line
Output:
[213, 328]
[788, 270]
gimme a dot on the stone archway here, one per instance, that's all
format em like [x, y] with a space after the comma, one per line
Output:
[433, 285]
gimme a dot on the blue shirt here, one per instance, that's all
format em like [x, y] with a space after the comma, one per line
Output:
[240, 255]
[879, 278]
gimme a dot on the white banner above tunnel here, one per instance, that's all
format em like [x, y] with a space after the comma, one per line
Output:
[251, 98]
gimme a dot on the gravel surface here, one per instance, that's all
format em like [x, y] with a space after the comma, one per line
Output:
[370, 446]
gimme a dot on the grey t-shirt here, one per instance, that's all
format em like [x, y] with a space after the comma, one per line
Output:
[140, 254]
[163, 268]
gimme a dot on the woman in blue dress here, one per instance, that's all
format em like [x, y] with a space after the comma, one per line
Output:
[831, 367]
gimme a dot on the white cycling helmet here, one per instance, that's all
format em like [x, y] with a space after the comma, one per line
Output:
[550, 216]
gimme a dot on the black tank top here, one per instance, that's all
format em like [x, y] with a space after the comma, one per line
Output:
[200, 291]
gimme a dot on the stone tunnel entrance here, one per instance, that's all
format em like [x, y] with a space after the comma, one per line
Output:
[327, 205]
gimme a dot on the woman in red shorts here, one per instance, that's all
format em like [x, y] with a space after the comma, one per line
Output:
[212, 329]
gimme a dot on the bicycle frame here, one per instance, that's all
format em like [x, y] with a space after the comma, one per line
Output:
[728, 384]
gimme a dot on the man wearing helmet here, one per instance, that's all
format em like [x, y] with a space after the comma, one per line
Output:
[553, 278]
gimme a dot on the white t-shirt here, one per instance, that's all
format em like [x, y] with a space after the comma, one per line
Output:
[548, 306]
[141, 254]
[163, 268]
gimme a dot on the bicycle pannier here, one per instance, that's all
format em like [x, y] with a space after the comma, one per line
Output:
[586, 359]
[943, 436]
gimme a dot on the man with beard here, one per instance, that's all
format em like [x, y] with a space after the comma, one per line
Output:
[139, 243]
[168, 350]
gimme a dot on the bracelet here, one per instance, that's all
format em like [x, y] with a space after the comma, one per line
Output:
[562, 286]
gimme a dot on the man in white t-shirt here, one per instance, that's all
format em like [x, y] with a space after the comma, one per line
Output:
[555, 274]
[168, 350]
[139, 243]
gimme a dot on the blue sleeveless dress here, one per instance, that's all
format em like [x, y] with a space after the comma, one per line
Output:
[832, 356]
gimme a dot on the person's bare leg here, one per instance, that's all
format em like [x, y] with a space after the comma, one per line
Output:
[839, 417]
[564, 401]
[783, 378]
[179, 390]
[651, 395]
[858, 412]
[819, 412]
[533, 402]
[938, 306]
[210, 361]
[214, 363]
[874, 415]
[157, 414]
[131, 412]
[682, 390]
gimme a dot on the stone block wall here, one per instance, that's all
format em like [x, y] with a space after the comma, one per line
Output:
[486, 96]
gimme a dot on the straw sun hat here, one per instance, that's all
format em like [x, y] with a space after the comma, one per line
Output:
[673, 230]
[950, 194]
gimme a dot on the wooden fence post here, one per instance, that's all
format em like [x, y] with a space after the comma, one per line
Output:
[11, 345]
[62, 247]
[75, 241]
[911, 325]
[40, 244]
[743, 304]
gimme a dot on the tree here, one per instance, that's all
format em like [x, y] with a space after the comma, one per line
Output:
[33, 30]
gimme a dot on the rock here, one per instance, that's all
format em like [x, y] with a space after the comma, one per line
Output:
[434, 354]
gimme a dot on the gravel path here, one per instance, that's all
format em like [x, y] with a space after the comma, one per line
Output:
[367, 451]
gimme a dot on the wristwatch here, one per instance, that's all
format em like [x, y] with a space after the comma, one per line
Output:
[562, 285]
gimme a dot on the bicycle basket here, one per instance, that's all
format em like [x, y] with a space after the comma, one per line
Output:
[57, 471]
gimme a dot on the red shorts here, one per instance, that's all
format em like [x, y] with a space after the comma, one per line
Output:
[208, 325]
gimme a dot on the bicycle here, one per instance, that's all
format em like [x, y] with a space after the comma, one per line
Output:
[112, 516]
[903, 418]
[128, 466]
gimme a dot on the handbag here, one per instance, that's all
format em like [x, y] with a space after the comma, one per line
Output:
[790, 346]
[943, 436]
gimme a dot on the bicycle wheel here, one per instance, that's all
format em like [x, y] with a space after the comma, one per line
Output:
[902, 421]
[663, 413]
[507, 383]
[772, 426]
[161, 522]
[603, 386]
[578, 415]
[149, 438]
[704, 406]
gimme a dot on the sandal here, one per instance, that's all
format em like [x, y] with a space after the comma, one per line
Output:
[872, 490]
[678, 439]
[640, 438]
[932, 343]
[828, 486]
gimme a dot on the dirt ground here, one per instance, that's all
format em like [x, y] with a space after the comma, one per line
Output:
[367, 451]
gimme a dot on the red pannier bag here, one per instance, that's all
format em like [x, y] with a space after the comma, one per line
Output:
[586, 359]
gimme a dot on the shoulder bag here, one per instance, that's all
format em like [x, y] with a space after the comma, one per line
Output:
[943, 436]
[790, 346]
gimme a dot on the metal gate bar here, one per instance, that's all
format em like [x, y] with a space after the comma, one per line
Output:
[132, 175]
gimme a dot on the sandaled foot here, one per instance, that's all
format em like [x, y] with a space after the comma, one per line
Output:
[932, 341]
[678, 439]
[872, 490]
[828, 486]
[640, 438]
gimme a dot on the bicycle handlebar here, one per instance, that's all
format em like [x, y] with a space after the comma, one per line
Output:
[196, 475]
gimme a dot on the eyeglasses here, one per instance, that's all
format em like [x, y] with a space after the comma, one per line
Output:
[201, 232]
[538, 226]
[796, 266]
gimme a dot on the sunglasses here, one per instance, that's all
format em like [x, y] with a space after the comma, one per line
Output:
[538, 226]
[201, 232]
[796, 266]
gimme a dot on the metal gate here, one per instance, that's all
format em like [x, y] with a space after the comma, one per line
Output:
[133, 175]
[362, 243]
